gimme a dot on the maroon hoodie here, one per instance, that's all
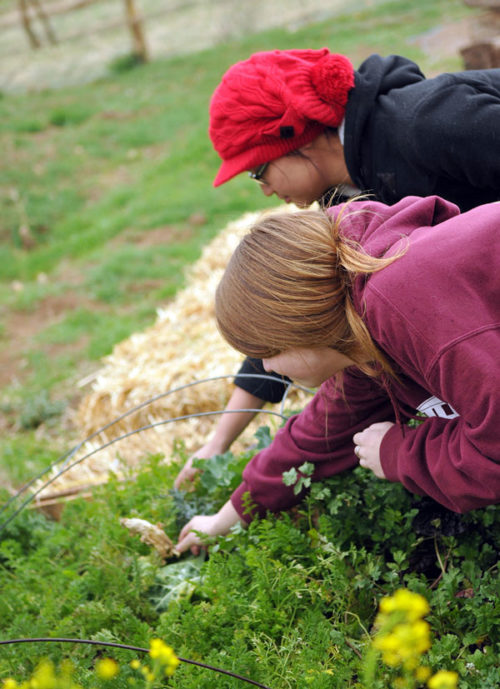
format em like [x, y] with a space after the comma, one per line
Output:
[435, 313]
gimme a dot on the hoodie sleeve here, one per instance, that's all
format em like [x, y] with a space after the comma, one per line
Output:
[321, 434]
[435, 313]
[457, 461]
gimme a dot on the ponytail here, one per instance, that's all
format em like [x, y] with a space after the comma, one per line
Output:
[289, 284]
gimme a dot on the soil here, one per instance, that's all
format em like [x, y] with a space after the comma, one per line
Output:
[21, 328]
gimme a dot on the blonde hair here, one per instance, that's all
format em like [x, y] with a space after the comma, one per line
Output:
[288, 284]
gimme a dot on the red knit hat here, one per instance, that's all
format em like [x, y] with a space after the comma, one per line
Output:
[275, 102]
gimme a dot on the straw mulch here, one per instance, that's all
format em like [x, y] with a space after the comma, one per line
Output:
[182, 347]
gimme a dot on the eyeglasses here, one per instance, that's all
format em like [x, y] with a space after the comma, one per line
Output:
[258, 175]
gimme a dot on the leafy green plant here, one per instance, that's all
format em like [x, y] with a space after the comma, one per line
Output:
[176, 581]
[219, 473]
[39, 409]
[292, 596]
[299, 479]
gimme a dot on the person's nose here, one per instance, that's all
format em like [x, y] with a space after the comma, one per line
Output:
[266, 189]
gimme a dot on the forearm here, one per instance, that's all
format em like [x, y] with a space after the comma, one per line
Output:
[228, 428]
[233, 423]
[226, 518]
[321, 435]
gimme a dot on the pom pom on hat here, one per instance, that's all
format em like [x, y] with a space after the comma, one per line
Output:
[332, 78]
[274, 103]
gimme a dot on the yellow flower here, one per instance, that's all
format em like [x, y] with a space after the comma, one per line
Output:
[165, 654]
[159, 649]
[404, 644]
[443, 679]
[387, 642]
[44, 676]
[402, 636]
[135, 664]
[148, 675]
[413, 605]
[422, 673]
[171, 668]
[9, 683]
[107, 668]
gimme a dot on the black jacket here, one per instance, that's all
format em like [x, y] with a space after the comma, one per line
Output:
[408, 135]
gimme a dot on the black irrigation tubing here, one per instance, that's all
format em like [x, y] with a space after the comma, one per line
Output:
[137, 649]
[130, 433]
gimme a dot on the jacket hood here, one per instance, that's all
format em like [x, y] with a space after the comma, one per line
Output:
[375, 77]
[382, 230]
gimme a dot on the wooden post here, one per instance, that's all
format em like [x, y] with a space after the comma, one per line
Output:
[135, 26]
[42, 16]
[26, 22]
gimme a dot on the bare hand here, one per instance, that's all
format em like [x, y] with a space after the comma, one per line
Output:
[188, 473]
[367, 446]
[205, 524]
[208, 524]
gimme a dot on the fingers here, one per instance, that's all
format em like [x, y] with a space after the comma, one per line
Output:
[186, 529]
[375, 429]
[367, 446]
[358, 452]
[357, 439]
[192, 533]
[363, 462]
[187, 473]
[361, 437]
[183, 476]
[188, 540]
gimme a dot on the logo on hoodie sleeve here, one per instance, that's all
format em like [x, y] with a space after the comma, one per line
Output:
[433, 406]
